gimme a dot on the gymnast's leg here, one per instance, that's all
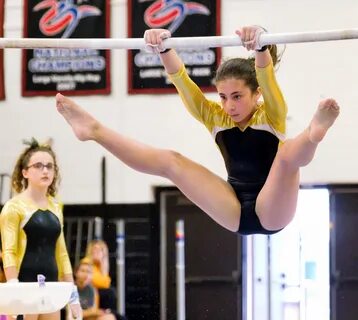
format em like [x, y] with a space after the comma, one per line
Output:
[276, 203]
[208, 191]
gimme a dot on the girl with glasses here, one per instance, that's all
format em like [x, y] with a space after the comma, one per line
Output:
[31, 225]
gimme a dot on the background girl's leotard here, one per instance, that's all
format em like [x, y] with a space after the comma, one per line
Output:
[32, 239]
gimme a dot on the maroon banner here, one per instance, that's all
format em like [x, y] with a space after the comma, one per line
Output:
[2, 80]
[183, 18]
[46, 71]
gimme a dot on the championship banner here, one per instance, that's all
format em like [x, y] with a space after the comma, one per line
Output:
[2, 80]
[183, 18]
[46, 71]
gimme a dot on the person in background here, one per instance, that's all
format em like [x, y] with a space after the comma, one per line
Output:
[97, 252]
[88, 294]
[31, 225]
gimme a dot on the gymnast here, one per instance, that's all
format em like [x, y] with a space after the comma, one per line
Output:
[248, 125]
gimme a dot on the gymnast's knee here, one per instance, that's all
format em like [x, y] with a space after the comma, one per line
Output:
[284, 158]
[173, 164]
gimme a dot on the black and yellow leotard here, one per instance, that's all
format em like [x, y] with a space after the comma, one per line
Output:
[33, 240]
[249, 152]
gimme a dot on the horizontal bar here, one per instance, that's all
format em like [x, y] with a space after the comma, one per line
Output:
[177, 42]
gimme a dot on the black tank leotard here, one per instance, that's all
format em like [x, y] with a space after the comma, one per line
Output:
[42, 231]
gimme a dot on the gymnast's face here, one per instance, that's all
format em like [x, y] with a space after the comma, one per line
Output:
[40, 170]
[237, 99]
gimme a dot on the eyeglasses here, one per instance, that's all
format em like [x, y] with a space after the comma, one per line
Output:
[40, 166]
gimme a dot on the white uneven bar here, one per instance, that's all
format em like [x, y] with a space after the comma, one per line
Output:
[178, 42]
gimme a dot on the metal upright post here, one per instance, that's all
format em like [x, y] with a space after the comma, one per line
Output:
[120, 224]
[98, 228]
[180, 269]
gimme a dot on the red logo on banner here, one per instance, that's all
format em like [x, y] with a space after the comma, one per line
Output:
[63, 15]
[164, 12]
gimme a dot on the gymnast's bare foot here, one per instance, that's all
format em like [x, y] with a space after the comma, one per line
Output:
[83, 124]
[326, 114]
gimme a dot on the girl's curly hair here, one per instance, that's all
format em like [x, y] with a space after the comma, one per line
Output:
[18, 182]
